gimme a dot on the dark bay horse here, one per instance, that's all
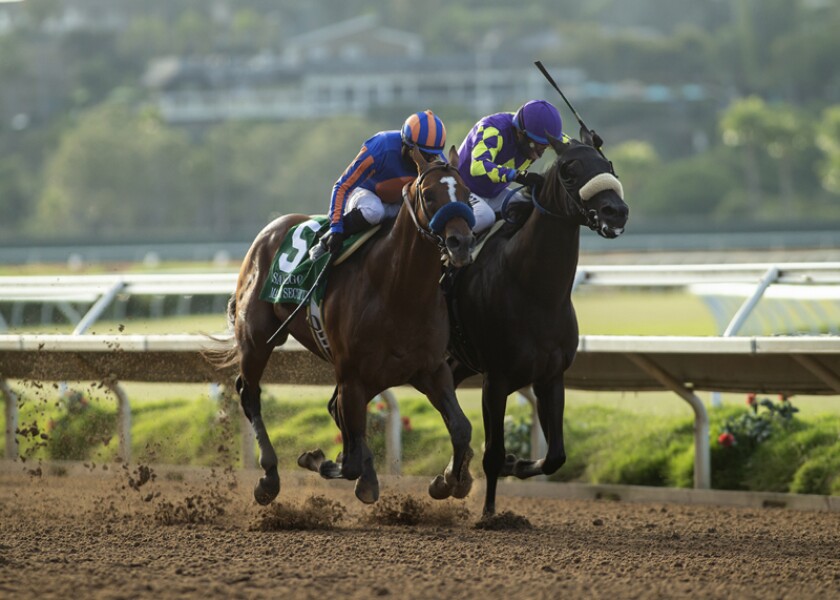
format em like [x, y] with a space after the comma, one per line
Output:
[512, 314]
[386, 323]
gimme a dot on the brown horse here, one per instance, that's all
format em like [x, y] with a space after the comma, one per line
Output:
[512, 314]
[386, 324]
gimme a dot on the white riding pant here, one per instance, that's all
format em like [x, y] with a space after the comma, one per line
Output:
[486, 209]
[373, 209]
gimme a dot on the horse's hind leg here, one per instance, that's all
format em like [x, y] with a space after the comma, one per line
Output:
[252, 364]
[551, 403]
[456, 480]
[313, 459]
[551, 399]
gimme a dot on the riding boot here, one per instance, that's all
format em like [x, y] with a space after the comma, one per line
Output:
[354, 222]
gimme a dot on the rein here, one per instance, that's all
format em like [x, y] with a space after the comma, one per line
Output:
[598, 183]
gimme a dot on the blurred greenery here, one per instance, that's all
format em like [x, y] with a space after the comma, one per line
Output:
[649, 442]
[84, 151]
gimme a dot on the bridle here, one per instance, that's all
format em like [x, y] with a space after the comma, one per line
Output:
[581, 215]
[426, 232]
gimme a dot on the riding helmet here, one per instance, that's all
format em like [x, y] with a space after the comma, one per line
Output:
[539, 119]
[426, 131]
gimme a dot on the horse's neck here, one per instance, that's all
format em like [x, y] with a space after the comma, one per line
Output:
[543, 254]
[408, 265]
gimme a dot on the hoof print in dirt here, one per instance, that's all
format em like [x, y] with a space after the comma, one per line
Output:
[505, 520]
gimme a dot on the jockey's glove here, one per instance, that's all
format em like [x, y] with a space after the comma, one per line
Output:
[331, 243]
[334, 242]
[530, 180]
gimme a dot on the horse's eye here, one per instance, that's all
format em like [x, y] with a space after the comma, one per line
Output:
[567, 173]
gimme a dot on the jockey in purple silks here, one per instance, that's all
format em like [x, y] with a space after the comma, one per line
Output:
[370, 189]
[498, 151]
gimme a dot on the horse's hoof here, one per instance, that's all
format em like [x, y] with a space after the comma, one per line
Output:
[439, 489]
[367, 488]
[330, 470]
[352, 467]
[266, 490]
[462, 489]
[311, 460]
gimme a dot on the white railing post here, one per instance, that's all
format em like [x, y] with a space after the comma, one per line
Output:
[12, 452]
[743, 313]
[702, 446]
[123, 420]
[393, 434]
[539, 447]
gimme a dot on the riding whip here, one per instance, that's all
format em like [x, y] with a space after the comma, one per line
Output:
[569, 104]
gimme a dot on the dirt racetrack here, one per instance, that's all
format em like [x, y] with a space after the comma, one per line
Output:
[88, 531]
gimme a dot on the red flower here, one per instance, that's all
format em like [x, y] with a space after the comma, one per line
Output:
[751, 399]
[380, 406]
[406, 423]
[726, 439]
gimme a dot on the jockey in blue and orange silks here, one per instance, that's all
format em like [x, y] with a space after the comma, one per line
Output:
[370, 188]
[498, 151]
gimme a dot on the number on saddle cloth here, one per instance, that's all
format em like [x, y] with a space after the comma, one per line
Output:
[292, 272]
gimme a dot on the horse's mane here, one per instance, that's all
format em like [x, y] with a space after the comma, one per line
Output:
[517, 213]
[552, 187]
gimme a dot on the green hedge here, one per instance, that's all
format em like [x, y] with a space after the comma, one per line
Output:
[603, 445]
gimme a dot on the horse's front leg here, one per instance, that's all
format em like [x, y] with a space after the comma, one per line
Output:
[356, 463]
[493, 404]
[456, 480]
[268, 486]
[551, 401]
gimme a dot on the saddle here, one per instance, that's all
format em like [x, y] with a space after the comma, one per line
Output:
[293, 274]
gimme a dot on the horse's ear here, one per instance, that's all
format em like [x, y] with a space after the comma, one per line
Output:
[418, 159]
[558, 144]
[590, 138]
[453, 156]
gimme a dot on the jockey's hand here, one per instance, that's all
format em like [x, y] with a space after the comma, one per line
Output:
[530, 180]
[597, 141]
[334, 242]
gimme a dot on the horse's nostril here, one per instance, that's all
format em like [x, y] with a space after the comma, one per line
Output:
[613, 212]
[453, 242]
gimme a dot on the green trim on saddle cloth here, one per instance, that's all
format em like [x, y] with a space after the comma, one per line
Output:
[293, 274]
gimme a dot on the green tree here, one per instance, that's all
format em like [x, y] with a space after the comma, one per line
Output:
[15, 193]
[787, 135]
[634, 162]
[828, 140]
[745, 125]
[116, 172]
[686, 189]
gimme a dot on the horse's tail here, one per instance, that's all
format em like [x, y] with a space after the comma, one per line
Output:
[225, 353]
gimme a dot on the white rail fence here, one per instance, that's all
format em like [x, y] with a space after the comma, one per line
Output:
[787, 365]
[684, 365]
